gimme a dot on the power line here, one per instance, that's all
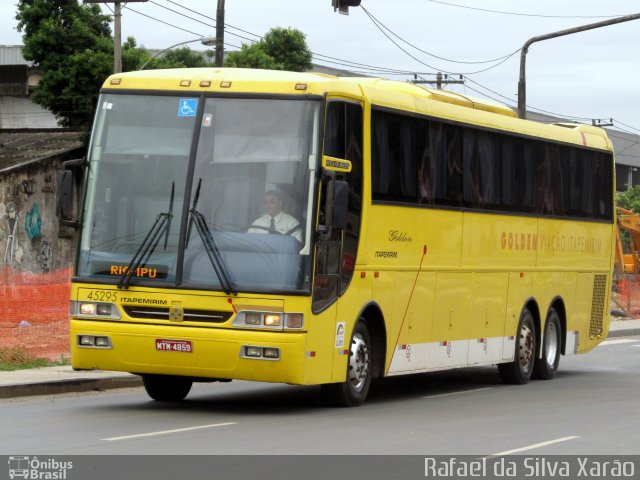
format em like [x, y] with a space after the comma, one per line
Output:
[213, 18]
[492, 91]
[373, 18]
[530, 107]
[624, 124]
[199, 21]
[426, 64]
[521, 14]
[162, 21]
[172, 25]
[109, 7]
[487, 96]
[318, 56]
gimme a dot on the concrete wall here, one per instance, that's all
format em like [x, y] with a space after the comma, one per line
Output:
[31, 239]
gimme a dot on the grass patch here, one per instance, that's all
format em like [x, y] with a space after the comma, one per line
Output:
[17, 358]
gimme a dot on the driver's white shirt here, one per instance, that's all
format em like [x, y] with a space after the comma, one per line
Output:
[283, 222]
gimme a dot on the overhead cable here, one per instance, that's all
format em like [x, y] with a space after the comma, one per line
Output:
[431, 66]
[521, 14]
[373, 18]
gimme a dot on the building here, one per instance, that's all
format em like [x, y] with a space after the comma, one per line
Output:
[17, 81]
[31, 236]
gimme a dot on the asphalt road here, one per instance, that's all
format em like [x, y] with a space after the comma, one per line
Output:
[592, 407]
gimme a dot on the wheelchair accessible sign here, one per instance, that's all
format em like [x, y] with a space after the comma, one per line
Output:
[188, 107]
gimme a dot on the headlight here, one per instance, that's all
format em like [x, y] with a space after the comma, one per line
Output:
[252, 318]
[93, 341]
[269, 320]
[254, 352]
[94, 310]
[87, 309]
[272, 320]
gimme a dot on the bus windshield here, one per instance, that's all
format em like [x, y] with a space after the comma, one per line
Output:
[230, 211]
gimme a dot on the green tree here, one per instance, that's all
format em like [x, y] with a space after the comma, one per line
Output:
[251, 56]
[71, 45]
[181, 58]
[134, 58]
[279, 49]
[629, 199]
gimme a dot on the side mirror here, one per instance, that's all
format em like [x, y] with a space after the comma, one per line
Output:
[65, 183]
[64, 201]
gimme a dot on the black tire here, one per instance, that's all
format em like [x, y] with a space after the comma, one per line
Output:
[520, 370]
[354, 391]
[166, 388]
[546, 367]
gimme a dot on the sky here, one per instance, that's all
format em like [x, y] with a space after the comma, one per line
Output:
[587, 75]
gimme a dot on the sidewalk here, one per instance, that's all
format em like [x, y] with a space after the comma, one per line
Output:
[54, 380]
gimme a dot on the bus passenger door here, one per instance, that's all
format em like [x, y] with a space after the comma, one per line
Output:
[338, 227]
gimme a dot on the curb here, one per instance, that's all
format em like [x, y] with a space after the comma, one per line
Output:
[624, 332]
[69, 386]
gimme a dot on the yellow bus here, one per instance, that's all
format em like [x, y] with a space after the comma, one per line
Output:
[309, 229]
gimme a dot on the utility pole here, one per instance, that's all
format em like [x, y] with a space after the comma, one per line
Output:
[220, 34]
[117, 37]
[601, 122]
[522, 86]
[117, 31]
[439, 81]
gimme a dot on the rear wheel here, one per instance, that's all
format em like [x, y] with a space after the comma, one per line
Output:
[354, 391]
[519, 371]
[166, 388]
[546, 367]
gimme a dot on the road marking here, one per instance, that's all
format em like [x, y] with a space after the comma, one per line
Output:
[459, 393]
[532, 447]
[621, 340]
[166, 432]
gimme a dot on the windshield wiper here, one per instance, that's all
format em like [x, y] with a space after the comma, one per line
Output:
[162, 225]
[213, 252]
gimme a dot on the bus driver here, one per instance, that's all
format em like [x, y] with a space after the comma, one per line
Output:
[275, 220]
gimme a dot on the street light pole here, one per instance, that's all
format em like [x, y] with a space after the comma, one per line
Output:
[220, 34]
[522, 86]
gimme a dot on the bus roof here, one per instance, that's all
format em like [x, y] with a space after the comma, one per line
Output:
[385, 93]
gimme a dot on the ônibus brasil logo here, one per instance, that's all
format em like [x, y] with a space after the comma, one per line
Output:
[36, 469]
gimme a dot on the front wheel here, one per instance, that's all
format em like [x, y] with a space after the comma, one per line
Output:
[519, 371]
[166, 388]
[354, 391]
[546, 367]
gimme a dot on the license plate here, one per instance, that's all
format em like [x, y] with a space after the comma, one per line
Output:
[164, 345]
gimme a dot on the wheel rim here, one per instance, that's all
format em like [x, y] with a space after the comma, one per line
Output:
[358, 362]
[526, 347]
[551, 343]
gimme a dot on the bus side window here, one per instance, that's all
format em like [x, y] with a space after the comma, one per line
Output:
[343, 139]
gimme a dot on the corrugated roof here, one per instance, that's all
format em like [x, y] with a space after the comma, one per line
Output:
[12, 55]
[20, 148]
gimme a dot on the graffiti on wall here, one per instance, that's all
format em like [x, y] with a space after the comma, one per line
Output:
[13, 252]
[44, 256]
[33, 223]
